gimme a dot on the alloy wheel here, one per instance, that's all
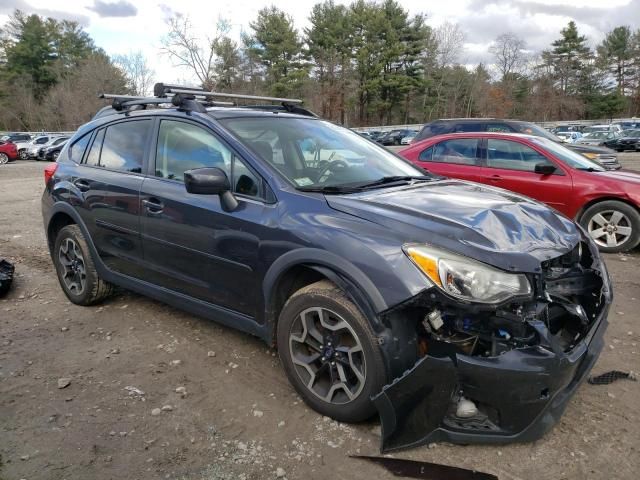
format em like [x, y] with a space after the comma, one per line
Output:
[74, 273]
[609, 228]
[23, 154]
[3, 158]
[327, 355]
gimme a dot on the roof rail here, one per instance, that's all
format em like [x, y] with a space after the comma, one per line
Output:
[195, 99]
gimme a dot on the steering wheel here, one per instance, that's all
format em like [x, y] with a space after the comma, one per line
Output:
[330, 166]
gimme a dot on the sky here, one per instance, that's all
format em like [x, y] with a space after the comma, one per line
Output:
[124, 26]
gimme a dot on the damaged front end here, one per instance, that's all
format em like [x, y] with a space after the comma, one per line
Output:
[498, 373]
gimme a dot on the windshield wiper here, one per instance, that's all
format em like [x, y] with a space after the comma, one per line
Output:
[328, 189]
[393, 179]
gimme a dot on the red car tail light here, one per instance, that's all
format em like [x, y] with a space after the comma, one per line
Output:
[49, 171]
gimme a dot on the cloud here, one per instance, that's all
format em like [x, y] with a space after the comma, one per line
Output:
[121, 8]
[7, 7]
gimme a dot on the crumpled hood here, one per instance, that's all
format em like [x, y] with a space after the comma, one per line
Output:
[492, 225]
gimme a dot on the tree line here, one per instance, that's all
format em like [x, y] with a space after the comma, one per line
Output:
[368, 63]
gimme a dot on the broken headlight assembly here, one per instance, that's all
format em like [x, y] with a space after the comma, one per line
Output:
[465, 278]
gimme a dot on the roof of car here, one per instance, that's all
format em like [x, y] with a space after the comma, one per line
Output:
[239, 112]
[484, 134]
[475, 119]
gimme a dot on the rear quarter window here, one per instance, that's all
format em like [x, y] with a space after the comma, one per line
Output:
[77, 148]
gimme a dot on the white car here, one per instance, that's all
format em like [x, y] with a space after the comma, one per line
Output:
[24, 148]
[408, 139]
[34, 149]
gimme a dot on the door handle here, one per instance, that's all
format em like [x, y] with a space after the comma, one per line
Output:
[495, 178]
[82, 185]
[153, 205]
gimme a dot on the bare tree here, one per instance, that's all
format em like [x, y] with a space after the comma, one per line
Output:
[509, 52]
[186, 50]
[450, 40]
[138, 72]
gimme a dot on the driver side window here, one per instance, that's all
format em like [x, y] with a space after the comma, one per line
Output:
[513, 156]
[183, 146]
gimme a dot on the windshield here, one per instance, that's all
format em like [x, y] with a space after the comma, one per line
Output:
[533, 129]
[569, 157]
[317, 155]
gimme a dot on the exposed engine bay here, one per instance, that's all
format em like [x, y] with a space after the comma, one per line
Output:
[490, 373]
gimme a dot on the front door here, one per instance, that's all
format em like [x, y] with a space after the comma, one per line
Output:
[191, 245]
[510, 165]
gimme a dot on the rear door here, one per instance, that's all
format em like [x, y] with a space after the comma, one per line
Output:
[455, 158]
[191, 244]
[109, 178]
[510, 164]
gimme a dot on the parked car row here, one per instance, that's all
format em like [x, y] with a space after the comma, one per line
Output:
[24, 147]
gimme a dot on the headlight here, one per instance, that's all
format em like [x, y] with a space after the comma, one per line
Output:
[465, 278]
[591, 156]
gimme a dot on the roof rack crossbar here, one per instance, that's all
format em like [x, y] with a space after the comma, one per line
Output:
[162, 89]
[196, 99]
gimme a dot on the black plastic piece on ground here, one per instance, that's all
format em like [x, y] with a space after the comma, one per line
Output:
[610, 377]
[426, 470]
[6, 276]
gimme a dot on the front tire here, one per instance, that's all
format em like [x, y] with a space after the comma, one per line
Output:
[76, 271]
[614, 226]
[329, 353]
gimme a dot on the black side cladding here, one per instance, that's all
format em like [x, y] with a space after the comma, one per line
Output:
[426, 470]
[6, 276]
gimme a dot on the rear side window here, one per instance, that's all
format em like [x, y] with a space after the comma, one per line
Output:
[466, 127]
[124, 144]
[462, 151]
[499, 127]
[426, 155]
[93, 157]
[77, 148]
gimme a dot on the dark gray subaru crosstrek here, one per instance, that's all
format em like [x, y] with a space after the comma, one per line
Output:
[459, 311]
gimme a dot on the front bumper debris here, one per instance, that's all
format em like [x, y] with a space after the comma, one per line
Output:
[6, 276]
[520, 393]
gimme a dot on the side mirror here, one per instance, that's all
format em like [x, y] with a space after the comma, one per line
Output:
[544, 168]
[211, 181]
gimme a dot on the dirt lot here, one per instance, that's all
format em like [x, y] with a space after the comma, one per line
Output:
[237, 416]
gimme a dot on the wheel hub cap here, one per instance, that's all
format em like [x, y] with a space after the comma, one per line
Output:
[609, 228]
[327, 355]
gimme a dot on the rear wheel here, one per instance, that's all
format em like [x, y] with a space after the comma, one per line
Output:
[329, 353]
[4, 158]
[23, 154]
[614, 226]
[75, 268]
[55, 155]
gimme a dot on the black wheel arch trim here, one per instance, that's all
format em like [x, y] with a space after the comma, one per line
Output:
[360, 289]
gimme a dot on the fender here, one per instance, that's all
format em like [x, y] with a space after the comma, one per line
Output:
[340, 271]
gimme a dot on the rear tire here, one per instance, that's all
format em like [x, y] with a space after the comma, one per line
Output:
[76, 271]
[614, 226]
[23, 154]
[345, 358]
[4, 158]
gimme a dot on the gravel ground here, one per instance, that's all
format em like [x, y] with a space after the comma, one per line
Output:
[136, 389]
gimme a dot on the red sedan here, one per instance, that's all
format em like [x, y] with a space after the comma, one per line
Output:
[605, 203]
[8, 152]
